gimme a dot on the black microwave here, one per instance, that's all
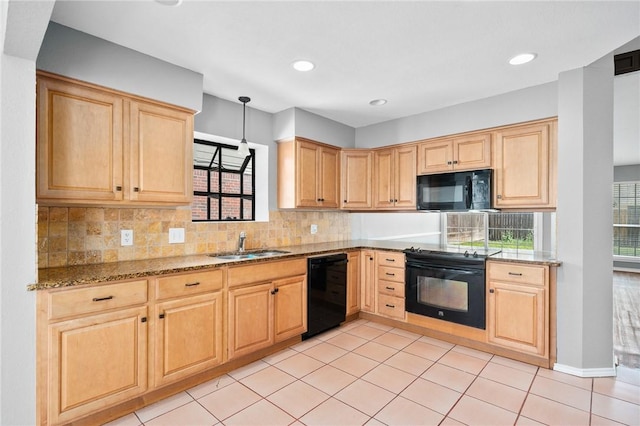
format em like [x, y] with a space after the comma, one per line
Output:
[455, 191]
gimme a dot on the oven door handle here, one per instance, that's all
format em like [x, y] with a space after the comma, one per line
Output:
[468, 186]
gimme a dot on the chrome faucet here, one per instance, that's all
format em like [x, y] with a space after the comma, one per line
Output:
[243, 236]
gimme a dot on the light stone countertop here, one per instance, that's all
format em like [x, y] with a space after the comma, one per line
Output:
[69, 276]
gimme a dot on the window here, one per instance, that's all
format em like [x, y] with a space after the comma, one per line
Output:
[504, 231]
[223, 183]
[626, 219]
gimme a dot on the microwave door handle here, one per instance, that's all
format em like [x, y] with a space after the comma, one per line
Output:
[468, 191]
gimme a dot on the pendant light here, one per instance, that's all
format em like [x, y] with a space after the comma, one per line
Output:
[243, 149]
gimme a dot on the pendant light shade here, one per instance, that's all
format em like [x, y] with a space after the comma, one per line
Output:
[243, 149]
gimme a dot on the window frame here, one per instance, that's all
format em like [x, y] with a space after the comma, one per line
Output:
[219, 194]
[616, 206]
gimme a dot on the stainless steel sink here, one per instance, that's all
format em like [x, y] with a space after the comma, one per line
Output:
[256, 254]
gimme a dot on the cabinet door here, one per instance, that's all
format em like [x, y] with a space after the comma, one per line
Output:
[517, 317]
[523, 158]
[79, 143]
[405, 178]
[161, 154]
[250, 321]
[435, 157]
[188, 336]
[290, 308]
[307, 159]
[353, 282]
[329, 178]
[356, 179]
[472, 152]
[96, 361]
[383, 180]
[367, 281]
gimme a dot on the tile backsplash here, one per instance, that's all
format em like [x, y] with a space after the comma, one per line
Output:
[84, 235]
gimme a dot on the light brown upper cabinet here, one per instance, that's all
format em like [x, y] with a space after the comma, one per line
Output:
[100, 146]
[525, 166]
[394, 171]
[356, 178]
[469, 152]
[308, 174]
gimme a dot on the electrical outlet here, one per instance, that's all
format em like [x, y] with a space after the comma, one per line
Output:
[176, 235]
[314, 229]
[126, 237]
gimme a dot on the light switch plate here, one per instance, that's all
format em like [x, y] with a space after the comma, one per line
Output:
[314, 229]
[176, 235]
[126, 237]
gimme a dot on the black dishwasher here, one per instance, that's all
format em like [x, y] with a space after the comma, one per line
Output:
[326, 293]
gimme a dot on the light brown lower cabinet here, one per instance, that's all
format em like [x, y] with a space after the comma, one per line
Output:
[353, 282]
[368, 289]
[89, 361]
[519, 307]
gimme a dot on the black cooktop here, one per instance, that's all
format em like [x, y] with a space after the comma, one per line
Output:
[451, 252]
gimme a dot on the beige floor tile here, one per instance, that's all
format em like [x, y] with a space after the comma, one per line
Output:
[299, 365]
[189, 414]
[374, 422]
[365, 397]
[379, 326]
[561, 392]
[452, 378]
[366, 332]
[402, 411]
[436, 342]
[354, 324]
[306, 344]
[464, 362]
[552, 413]
[581, 382]
[261, 413]
[279, 356]
[507, 376]
[248, 369]
[325, 352]
[473, 411]
[229, 400]
[298, 398]
[267, 381]
[615, 409]
[617, 389]
[405, 333]
[410, 363]
[526, 421]
[375, 351]
[347, 341]
[601, 421]
[426, 350]
[334, 412]
[393, 340]
[472, 352]
[354, 364]
[527, 368]
[389, 378]
[211, 386]
[128, 420]
[164, 406]
[497, 394]
[431, 395]
[448, 421]
[329, 379]
[329, 334]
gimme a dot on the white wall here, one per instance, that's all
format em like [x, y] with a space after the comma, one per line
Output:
[79, 55]
[321, 129]
[509, 108]
[17, 207]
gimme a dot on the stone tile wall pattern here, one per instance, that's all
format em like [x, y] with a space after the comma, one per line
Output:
[79, 235]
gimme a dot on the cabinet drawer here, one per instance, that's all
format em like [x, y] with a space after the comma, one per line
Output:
[391, 274]
[388, 258]
[523, 274]
[65, 303]
[187, 284]
[391, 306]
[265, 271]
[391, 288]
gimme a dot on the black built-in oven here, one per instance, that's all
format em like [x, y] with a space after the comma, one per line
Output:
[446, 286]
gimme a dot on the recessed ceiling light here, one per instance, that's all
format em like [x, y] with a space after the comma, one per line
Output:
[169, 2]
[303, 65]
[522, 58]
[378, 102]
